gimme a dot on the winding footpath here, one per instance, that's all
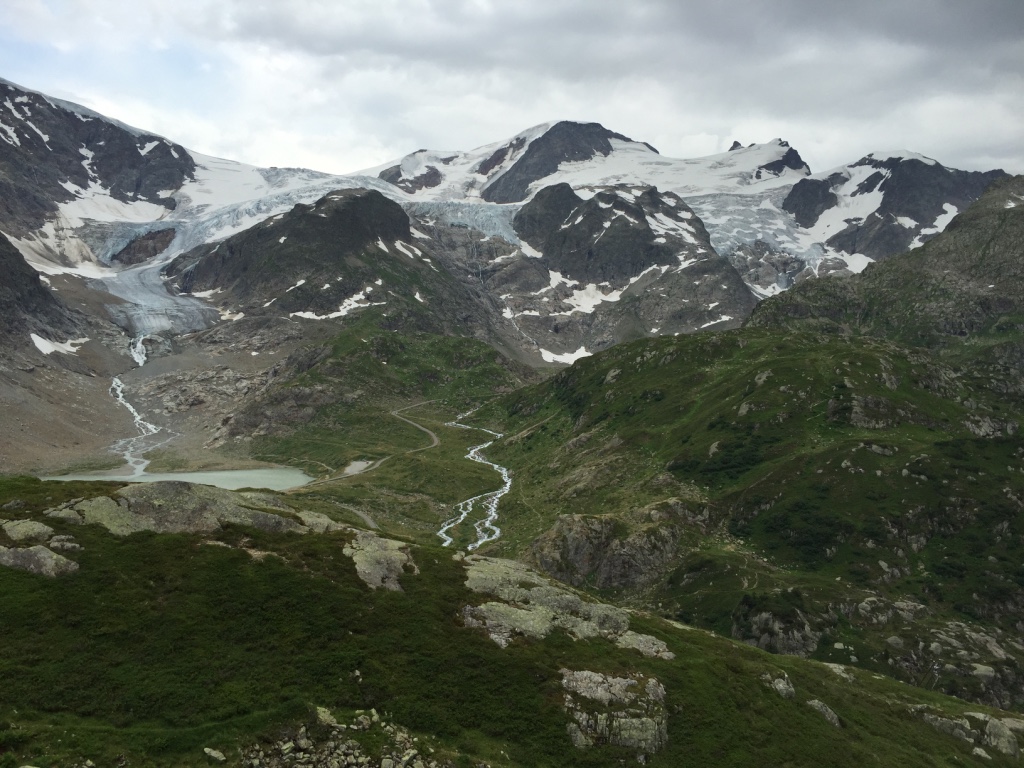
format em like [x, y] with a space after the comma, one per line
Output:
[486, 527]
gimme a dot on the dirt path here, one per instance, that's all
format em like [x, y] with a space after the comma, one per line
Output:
[434, 442]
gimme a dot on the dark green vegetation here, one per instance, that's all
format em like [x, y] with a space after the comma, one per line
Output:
[821, 488]
[161, 645]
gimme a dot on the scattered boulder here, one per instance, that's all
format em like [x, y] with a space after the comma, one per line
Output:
[1001, 738]
[825, 711]
[957, 727]
[27, 530]
[780, 685]
[324, 717]
[38, 560]
[65, 544]
[648, 645]
[65, 513]
[215, 755]
[317, 522]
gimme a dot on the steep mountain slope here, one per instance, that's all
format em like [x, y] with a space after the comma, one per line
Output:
[91, 192]
[349, 250]
[706, 477]
[28, 307]
[622, 264]
[883, 204]
[776, 222]
[967, 283]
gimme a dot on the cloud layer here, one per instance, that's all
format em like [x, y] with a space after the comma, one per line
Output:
[340, 86]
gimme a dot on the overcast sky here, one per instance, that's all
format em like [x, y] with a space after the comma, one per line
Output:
[340, 85]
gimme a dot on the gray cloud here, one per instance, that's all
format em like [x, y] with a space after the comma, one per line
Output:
[354, 83]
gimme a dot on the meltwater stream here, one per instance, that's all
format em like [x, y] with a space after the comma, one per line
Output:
[486, 530]
[132, 447]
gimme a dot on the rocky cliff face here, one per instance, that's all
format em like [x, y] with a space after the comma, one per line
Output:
[968, 280]
[50, 151]
[887, 204]
[563, 142]
[624, 263]
[27, 306]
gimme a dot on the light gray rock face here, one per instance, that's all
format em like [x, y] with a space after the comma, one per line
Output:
[789, 636]
[958, 727]
[379, 562]
[38, 560]
[27, 530]
[319, 523]
[532, 606]
[216, 755]
[625, 711]
[66, 513]
[177, 507]
[825, 711]
[64, 544]
[1001, 738]
[780, 685]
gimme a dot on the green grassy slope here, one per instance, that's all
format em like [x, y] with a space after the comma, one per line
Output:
[705, 476]
[161, 645]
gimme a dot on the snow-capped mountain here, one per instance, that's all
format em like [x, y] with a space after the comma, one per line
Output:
[584, 155]
[645, 244]
[762, 207]
[883, 204]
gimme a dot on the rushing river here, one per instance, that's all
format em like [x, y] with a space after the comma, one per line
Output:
[486, 528]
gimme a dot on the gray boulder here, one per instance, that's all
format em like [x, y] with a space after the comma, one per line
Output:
[38, 560]
[27, 530]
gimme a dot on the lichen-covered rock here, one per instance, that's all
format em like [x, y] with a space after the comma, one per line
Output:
[957, 727]
[825, 711]
[789, 635]
[216, 755]
[530, 605]
[625, 711]
[319, 523]
[780, 685]
[649, 646]
[38, 560]
[64, 544]
[27, 530]
[178, 507]
[1001, 738]
[379, 562]
[66, 513]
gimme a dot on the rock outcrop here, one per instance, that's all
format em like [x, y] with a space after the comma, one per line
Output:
[531, 606]
[379, 561]
[38, 560]
[624, 711]
[177, 507]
